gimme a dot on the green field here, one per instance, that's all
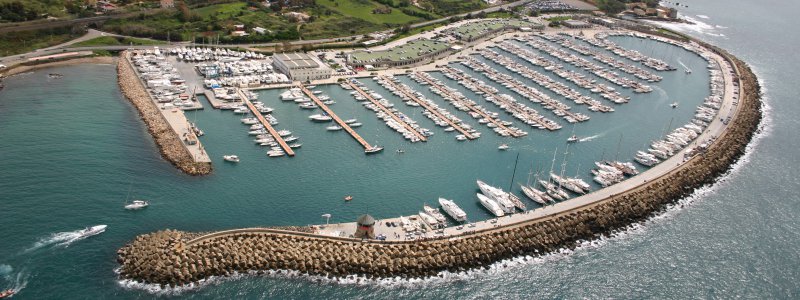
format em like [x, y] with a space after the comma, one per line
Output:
[25, 41]
[116, 41]
[362, 9]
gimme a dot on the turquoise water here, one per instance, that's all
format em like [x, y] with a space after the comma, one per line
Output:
[72, 148]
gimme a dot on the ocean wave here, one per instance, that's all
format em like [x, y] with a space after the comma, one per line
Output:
[696, 26]
[5, 270]
[498, 268]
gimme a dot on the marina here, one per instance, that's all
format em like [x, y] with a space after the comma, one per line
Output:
[409, 132]
[344, 125]
[275, 135]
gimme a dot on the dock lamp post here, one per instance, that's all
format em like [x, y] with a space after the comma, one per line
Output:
[327, 218]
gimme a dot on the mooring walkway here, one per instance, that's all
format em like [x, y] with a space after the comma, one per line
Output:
[388, 112]
[266, 124]
[424, 104]
[336, 118]
[471, 107]
[516, 110]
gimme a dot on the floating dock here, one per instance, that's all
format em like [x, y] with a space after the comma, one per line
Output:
[336, 118]
[387, 111]
[430, 109]
[471, 107]
[516, 110]
[266, 124]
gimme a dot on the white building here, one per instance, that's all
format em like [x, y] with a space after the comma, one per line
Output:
[301, 66]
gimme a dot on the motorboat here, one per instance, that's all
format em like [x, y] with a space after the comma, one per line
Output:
[295, 145]
[373, 149]
[231, 158]
[572, 139]
[137, 204]
[433, 212]
[453, 210]
[674, 105]
[291, 139]
[284, 132]
[7, 293]
[503, 147]
[334, 128]
[94, 230]
[250, 121]
[491, 205]
[320, 118]
[350, 121]
[356, 124]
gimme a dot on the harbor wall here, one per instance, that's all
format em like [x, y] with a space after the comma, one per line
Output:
[176, 258]
[169, 143]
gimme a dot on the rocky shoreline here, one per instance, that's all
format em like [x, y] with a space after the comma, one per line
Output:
[174, 258]
[169, 143]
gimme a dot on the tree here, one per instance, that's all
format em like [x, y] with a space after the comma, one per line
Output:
[612, 7]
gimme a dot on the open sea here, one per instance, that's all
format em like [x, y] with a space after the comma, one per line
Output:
[73, 149]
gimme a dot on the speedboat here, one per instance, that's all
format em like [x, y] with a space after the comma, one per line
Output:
[290, 139]
[94, 230]
[356, 124]
[674, 105]
[334, 128]
[137, 204]
[295, 145]
[503, 147]
[231, 158]
[453, 210]
[572, 139]
[350, 121]
[7, 293]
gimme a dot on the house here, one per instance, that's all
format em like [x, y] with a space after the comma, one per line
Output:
[167, 3]
[297, 16]
[260, 30]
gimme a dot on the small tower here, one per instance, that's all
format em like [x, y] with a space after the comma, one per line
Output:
[365, 227]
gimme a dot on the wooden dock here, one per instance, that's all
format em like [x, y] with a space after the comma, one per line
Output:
[266, 124]
[430, 109]
[336, 118]
[471, 107]
[515, 109]
[388, 112]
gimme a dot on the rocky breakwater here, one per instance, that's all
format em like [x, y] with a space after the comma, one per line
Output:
[169, 143]
[174, 258]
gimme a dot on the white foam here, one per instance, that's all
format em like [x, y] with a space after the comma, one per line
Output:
[60, 239]
[698, 26]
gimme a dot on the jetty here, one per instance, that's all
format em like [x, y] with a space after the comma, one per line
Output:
[513, 133]
[336, 118]
[424, 104]
[266, 124]
[387, 111]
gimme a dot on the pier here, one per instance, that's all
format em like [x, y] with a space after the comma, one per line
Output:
[430, 109]
[513, 133]
[336, 118]
[266, 124]
[516, 110]
[388, 112]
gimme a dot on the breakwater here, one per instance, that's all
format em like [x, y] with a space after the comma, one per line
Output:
[169, 143]
[175, 258]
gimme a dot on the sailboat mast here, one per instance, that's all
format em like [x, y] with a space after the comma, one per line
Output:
[511, 184]
[619, 144]
[553, 163]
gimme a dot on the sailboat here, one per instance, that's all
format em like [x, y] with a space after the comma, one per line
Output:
[136, 204]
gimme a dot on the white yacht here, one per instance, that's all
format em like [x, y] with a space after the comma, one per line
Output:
[503, 147]
[534, 194]
[453, 210]
[373, 149]
[320, 118]
[94, 230]
[231, 158]
[250, 121]
[137, 204]
[491, 205]
[434, 213]
[498, 195]
[334, 128]
[356, 124]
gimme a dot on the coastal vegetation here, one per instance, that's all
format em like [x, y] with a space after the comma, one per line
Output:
[12, 43]
[116, 41]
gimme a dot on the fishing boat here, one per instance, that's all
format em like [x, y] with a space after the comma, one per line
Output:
[453, 210]
[231, 158]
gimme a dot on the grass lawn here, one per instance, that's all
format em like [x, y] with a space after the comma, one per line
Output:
[362, 9]
[115, 41]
